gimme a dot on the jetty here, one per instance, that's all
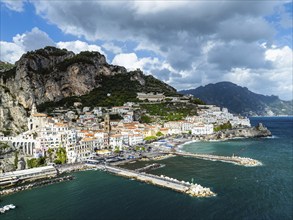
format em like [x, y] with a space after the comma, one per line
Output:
[191, 189]
[150, 167]
[243, 161]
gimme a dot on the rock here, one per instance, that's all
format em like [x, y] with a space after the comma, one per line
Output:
[51, 74]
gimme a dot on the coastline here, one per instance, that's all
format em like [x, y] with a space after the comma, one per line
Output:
[35, 184]
[177, 143]
[258, 131]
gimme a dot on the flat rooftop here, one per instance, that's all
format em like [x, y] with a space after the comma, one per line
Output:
[27, 172]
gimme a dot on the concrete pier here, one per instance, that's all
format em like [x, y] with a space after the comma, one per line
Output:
[184, 187]
[243, 161]
[150, 167]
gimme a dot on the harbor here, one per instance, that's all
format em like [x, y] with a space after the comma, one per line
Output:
[191, 189]
[150, 167]
[242, 161]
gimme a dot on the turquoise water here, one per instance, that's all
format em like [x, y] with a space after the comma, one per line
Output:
[242, 192]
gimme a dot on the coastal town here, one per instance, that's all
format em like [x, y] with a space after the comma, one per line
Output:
[82, 138]
[85, 131]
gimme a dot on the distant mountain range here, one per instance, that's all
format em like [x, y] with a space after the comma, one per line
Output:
[240, 100]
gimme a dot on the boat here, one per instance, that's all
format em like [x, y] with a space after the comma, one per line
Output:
[7, 208]
[11, 206]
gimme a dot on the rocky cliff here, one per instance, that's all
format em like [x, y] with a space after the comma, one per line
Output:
[249, 132]
[51, 75]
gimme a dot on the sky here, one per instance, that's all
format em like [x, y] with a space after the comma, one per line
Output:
[184, 43]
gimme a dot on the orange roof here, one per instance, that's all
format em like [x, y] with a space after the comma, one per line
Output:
[135, 135]
[162, 129]
[39, 115]
[60, 124]
[87, 139]
[116, 135]
[131, 127]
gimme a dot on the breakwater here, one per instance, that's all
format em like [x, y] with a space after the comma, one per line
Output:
[36, 184]
[191, 189]
[243, 161]
[150, 167]
[67, 168]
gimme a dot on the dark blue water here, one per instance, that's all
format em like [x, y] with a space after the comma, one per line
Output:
[264, 192]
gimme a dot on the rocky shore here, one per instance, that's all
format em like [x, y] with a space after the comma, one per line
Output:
[160, 157]
[35, 184]
[252, 132]
[193, 189]
[68, 168]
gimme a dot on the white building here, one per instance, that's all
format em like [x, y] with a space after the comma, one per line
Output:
[151, 97]
[202, 129]
[116, 140]
[135, 139]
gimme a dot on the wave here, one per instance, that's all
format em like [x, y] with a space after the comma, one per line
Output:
[185, 143]
[272, 137]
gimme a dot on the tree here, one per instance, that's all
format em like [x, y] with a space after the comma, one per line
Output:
[159, 134]
[145, 119]
[36, 162]
[57, 161]
[223, 126]
[16, 159]
[116, 150]
[50, 153]
[150, 138]
[61, 155]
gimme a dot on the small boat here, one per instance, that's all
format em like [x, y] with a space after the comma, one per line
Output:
[11, 206]
[7, 208]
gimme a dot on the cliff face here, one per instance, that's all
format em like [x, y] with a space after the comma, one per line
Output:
[50, 75]
[250, 132]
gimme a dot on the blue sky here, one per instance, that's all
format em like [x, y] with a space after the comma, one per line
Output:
[184, 43]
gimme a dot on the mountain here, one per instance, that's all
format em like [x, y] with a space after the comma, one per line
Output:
[52, 77]
[4, 66]
[240, 100]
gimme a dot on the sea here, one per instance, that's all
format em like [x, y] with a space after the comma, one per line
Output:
[264, 192]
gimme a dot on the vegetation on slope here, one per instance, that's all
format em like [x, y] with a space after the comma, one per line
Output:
[224, 126]
[4, 66]
[114, 91]
[170, 111]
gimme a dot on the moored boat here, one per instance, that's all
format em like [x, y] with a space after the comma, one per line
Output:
[7, 208]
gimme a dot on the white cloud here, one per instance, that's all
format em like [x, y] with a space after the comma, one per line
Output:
[275, 81]
[150, 7]
[21, 43]
[14, 5]
[78, 46]
[10, 52]
[36, 39]
[198, 42]
[132, 62]
[33, 40]
[112, 48]
[281, 57]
